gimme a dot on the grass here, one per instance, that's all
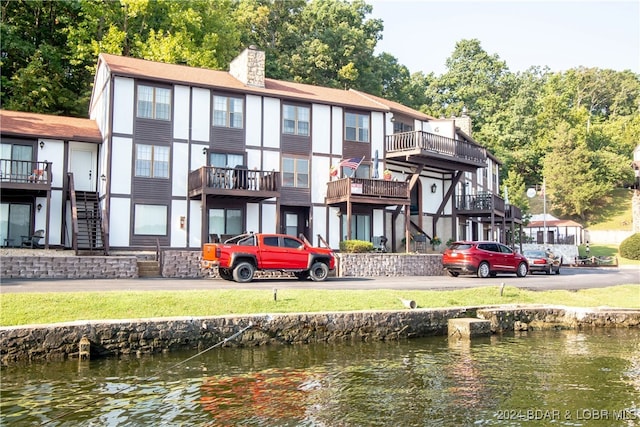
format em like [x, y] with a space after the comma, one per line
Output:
[46, 308]
[606, 250]
[613, 212]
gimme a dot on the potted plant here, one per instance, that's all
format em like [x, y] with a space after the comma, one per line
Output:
[435, 242]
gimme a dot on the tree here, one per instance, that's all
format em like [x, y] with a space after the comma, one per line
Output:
[37, 72]
[474, 80]
[571, 185]
[514, 186]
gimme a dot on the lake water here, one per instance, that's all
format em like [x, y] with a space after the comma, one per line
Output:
[568, 378]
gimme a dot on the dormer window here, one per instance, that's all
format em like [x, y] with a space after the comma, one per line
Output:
[154, 103]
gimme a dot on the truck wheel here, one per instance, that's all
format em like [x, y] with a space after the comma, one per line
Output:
[225, 273]
[319, 271]
[243, 273]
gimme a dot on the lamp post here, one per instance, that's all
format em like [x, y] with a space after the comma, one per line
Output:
[544, 211]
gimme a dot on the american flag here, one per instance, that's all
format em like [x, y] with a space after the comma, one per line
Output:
[351, 163]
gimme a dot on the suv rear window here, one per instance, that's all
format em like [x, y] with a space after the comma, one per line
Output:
[460, 246]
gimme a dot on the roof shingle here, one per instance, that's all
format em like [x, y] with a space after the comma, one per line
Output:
[192, 76]
[47, 126]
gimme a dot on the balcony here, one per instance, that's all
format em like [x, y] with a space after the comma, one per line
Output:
[368, 191]
[514, 214]
[248, 185]
[487, 204]
[481, 204]
[435, 151]
[25, 175]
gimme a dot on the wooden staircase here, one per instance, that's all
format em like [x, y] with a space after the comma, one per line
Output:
[87, 224]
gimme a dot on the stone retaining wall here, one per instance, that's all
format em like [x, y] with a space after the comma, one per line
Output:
[115, 338]
[68, 267]
[183, 264]
[389, 264]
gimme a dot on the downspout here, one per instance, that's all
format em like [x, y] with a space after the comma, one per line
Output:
[187, 221]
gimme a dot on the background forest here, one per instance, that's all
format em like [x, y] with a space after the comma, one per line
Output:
[577, 128]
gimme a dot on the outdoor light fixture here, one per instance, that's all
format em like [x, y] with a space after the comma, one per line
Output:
[39, 207]
[434, 187]
[103, 177]
[41, 145]
[204, 151]
[338, 213]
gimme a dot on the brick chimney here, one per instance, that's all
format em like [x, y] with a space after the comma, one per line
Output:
[248, 67]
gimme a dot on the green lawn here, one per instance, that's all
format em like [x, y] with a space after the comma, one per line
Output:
[613, 213]
[45, 308]
[606, 250]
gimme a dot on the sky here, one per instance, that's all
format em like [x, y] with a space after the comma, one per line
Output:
[422, 34]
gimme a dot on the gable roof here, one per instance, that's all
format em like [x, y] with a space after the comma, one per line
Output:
[18, 123]
[202, 77]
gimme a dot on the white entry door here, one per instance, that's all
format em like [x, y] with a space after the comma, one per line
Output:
[83, 166]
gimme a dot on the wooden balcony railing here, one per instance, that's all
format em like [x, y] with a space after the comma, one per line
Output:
[481, 202]
[25, 174]
[374, 191]
[428, 144]
[514, 213]
[234, 181]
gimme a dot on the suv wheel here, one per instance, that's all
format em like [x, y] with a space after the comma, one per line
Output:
[319, 271]
[243, 272]
[522, 270]
[483, 270]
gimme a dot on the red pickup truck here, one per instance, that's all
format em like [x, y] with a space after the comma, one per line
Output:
[240, 257]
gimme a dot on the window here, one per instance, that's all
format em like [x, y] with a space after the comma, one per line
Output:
[227, 112]
[225, 221]
[226, 160]
[363, 171]
[150, 220]
[399, 127]
[356, 127]
[152, 161]
[295, 120]
[360, 227]
[154, 103]
[291, 243]
[295, 172]
[16, 161]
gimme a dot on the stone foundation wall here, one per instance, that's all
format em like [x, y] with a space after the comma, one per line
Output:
[68, 267]
[115, 338]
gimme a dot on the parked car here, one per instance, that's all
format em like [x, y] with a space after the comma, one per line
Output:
[543, 260]
[484, 258]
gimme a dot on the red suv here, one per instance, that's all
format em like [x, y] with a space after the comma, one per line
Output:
[484, 259]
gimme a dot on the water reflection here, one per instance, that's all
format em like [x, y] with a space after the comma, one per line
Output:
[501, 380]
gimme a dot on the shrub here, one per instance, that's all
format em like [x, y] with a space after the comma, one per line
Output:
[630, 247]
[355, 246]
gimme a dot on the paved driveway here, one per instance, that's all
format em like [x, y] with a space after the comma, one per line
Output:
[570, 279]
